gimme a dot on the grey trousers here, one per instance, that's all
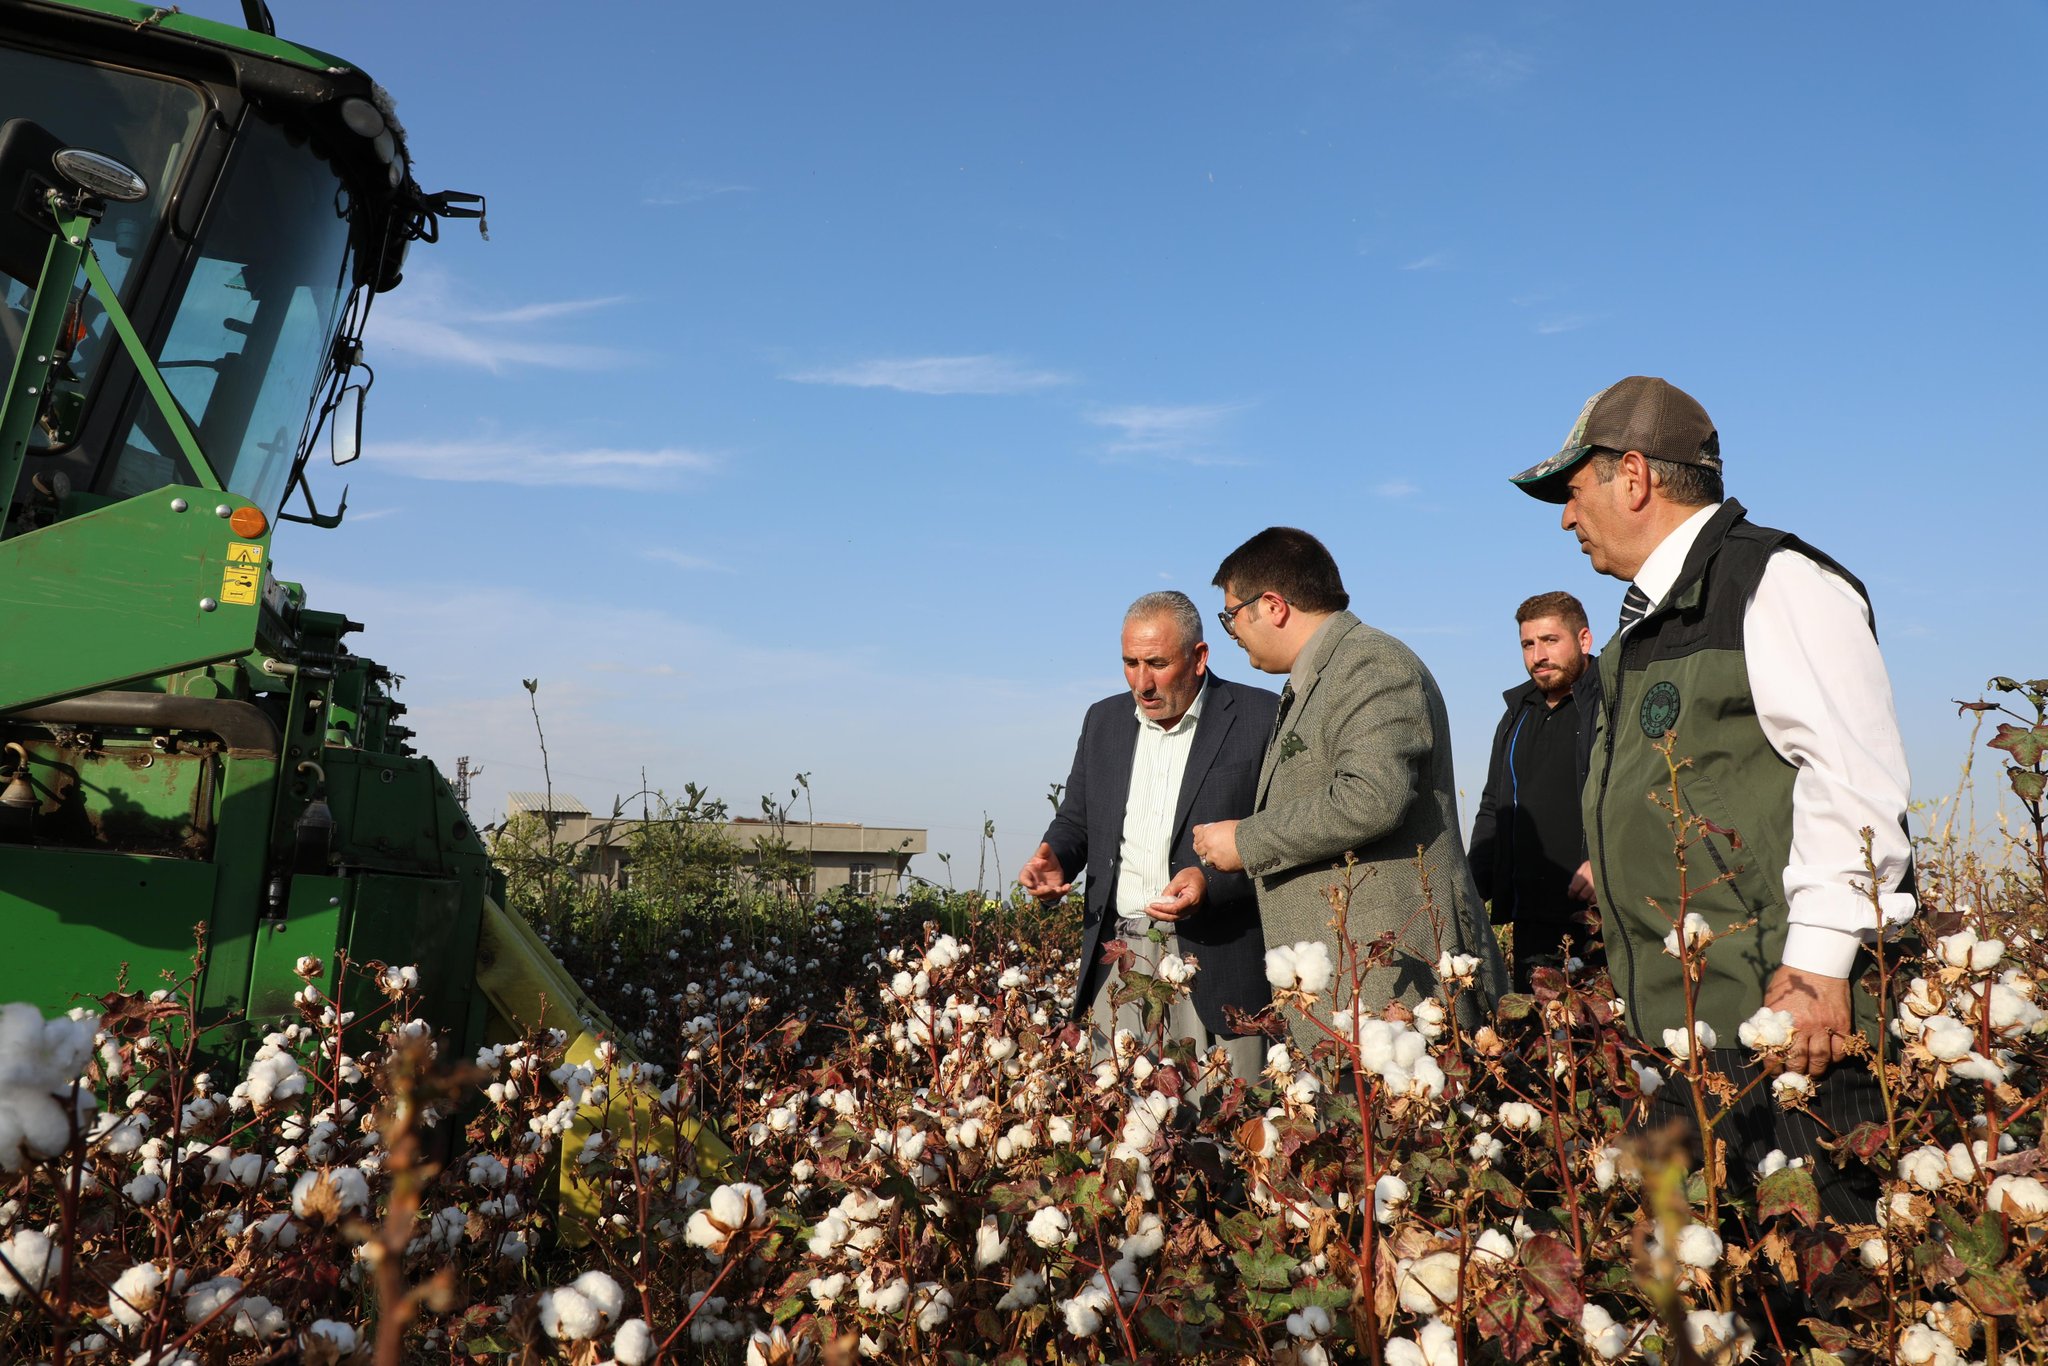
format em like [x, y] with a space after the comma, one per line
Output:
[1247, 1051]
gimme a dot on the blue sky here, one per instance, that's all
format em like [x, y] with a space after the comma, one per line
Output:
[834, 375]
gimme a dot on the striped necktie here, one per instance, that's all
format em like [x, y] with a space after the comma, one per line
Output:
[1635, 604]
[1286, 705]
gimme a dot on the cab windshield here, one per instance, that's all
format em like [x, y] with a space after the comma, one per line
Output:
[142, 121]
[253, 331]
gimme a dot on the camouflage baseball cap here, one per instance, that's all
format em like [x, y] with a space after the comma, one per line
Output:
[1639, 413]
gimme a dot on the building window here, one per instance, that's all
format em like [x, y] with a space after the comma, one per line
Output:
[860, 878]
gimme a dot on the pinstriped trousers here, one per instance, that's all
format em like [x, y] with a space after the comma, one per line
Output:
[1845, 1096]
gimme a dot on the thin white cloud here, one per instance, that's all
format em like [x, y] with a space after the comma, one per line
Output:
[1570, 322]
[1436, 260]
[533, 313]
[1488, 63]
[1183, 432]
[935, 375]
[428, 322]
[372, 514]
[1397, 488]
[667, 191]
[491, 461]
[684, 560]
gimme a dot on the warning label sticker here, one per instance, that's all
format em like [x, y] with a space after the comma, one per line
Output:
[243, 575]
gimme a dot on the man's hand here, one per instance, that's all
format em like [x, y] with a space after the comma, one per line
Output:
[1582, 884]
[1181, 897]
[1042, 875]
[1819, 1007]
[1216, 846]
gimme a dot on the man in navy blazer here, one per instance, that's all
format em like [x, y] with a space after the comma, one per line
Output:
[1181, 748]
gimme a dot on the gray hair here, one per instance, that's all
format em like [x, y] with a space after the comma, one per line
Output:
[1170, 603]
[1688, 486]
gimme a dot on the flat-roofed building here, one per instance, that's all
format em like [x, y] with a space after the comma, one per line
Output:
[871, 859]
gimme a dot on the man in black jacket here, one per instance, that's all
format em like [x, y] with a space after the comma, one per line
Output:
[1528, 841]
[1180, 748]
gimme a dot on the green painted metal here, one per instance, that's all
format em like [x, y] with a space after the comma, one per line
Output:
[76, 919]
[22, 402]
[115, 595]
[316, 919]
[169, 19]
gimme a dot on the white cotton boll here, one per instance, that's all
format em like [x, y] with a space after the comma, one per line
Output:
[1699, 1246]
[1709, 1332]
[346, 1187]
[205, 1299]
[1485, 1148]
[1311, 1321]
[633, 1344]
[1606, 1168]
[1024, 1292]
[1874, 1253]
[1925, 1167]
[826, 1290]
[1520, 1115]
[1427, 1284]
[1788, 1087]
[36, 1261]
[256, 1317]
[741, 1204]
[1176, 969]
[1603, 1337]
[145, 1190]
[568, 1315]
[134, 1293]
[932, 1306]
[1920, 1345]
[1693, 932]
[118, 1134]
[1456, 967]
[342, 1337]
[1648, 1078]
[2013, 1013]
[1772, 1163]
[602, 1291]
[888, 1298]
[1767, 1028]
[1493, 1245]
[1977, 1067]
[1149, 1237]
[990, 1246]
[1430, 1020]
[1948, 1039]
[2024, 1198]
[1301, 967]
[1389, 1194]
[1048, 1228]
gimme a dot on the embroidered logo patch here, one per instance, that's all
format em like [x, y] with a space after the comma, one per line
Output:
[1660, 709]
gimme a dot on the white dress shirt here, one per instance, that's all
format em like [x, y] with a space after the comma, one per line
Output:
[1144, 857]
[1825, 704]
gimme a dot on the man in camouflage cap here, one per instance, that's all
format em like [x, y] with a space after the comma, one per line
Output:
[1754, 655]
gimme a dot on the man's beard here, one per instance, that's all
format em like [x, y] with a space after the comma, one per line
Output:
[1567, 673]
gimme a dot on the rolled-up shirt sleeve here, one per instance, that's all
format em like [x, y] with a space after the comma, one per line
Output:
[1824, 701]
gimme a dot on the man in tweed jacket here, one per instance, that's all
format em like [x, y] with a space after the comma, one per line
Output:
[1360, 762]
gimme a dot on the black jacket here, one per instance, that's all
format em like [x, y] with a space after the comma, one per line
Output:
[1220, 783]
[1489, 852]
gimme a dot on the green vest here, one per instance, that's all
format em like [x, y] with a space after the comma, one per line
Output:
[1681, 671]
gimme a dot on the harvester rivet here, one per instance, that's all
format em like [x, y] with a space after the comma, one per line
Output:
[179, 505]
[222, 511]
[31, 388]
[207, 604]
[334, 901]
[42, 360]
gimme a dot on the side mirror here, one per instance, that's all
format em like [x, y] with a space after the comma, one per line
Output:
[345, 425]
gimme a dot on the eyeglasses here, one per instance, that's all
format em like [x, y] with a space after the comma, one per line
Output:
[1228, 616]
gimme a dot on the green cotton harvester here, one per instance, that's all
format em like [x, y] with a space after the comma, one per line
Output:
[194, 220]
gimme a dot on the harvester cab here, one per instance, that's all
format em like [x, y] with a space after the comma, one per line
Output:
[194, 220]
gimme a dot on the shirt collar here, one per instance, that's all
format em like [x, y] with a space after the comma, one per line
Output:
[1188, 718]
[1304, 663]
[1660, 570]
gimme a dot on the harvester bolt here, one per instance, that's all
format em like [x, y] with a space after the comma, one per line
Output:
[223, 510]
[179, 505]
[207, 604]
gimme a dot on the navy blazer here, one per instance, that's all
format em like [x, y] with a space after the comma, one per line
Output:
[1220, 783]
